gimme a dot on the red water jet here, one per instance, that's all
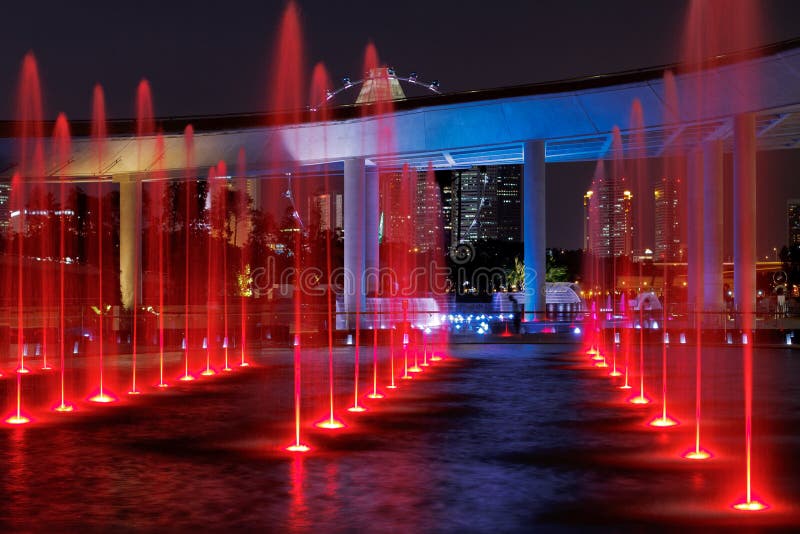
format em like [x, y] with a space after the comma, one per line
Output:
[61, 158]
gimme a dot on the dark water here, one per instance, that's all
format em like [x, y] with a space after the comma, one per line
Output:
[498, 438]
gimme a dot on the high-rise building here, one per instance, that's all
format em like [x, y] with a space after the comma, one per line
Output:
[612, 235]
[447, 207]
[5, 214]
[793, 221]
[485, 203]
[396, 204]
[587, 228]
[667, 220]
[429, 220]
[326, 210]
[507, 200]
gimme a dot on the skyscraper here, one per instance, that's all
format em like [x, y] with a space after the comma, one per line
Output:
[612, 235]
[507, 200]
[5, 214]
[429, 219]
[587, 228]
[469, 191]
[326, 210]
[793, 221]
[485, 203]
[667, 220]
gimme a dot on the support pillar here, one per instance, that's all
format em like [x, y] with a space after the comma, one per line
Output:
[694, 229]
[371, 227]
[712, 229]
[744, 216]
[130, 241]
[354, 258]
[533, 227]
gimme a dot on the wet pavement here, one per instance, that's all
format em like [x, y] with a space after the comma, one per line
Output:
[506, 438]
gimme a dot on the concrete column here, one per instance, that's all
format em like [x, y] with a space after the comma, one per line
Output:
[354, 260]
[744, 215]
[533, 226]
[371, 227]
[130, 241]
[694, 228]
[712, 228]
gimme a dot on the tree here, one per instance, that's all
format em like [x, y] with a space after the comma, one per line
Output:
[555, 273]
[515, 277]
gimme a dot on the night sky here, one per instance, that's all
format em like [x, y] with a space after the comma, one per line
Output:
[206, 57]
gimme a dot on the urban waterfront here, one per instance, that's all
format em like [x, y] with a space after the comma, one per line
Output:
[257, 285]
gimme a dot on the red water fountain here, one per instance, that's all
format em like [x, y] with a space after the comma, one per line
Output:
[320, 82]
[638, 178]
[189, 201]
[672, 169]
[16, 203]
[101, 395]
[145, 127]
[242, 210]
[61, 158]
[213, 276]
[288, 93]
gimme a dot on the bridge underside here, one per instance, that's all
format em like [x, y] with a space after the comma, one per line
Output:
[575, 120]
[532, 125]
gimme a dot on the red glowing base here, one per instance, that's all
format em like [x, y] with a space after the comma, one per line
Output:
[46, 368]
[208, 372]
[330, 424]
[663, 422]
[639, 399]
[186, 378]
[615, 373]
[23, 370]
[391, 386]
[356, 409]
[244, 364]
[162, 385]
[750, 506]
[376, 395]
[598, 357]
[103, 398]
[601, 364]
[423, 364]
[435, 358]
[697, 454]
[415, 369]
[626, 386]
[227, 369]
[298, 447]
[18, 420]
[64, 407]
[134, 392]
[406, 377]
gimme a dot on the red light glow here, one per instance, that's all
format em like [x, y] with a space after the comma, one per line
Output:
[697, 454]
[18, 419]
[750, 506]
[663, 422]
[104, 398]
[64, 407]
[330, 424]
